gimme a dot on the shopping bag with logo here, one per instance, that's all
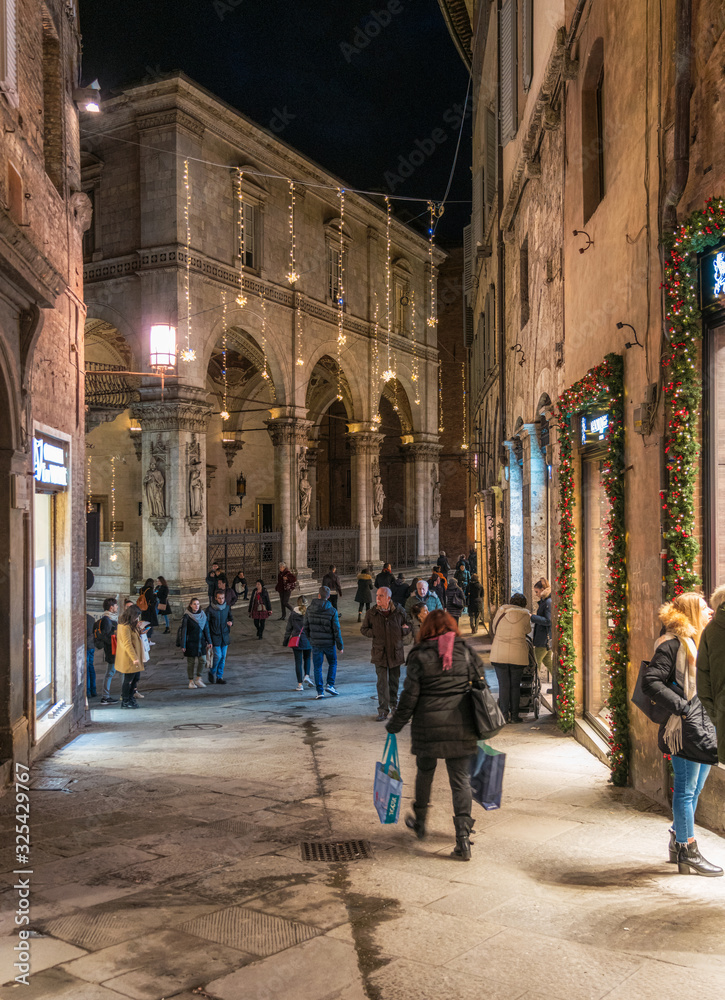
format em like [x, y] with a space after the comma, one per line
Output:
[487, 776]
[388, 787]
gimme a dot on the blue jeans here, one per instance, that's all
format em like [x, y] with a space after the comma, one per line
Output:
[302, 663]
[110, 671]
[220, 659]
[689, 781]
[90, 673]
[166, 619]
[318, 655]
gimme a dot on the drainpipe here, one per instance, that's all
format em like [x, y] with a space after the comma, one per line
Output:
[683, 71]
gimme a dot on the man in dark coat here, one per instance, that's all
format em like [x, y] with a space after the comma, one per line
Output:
[455, 599]
[386, 625]
[711, 674]
[400, 591]
[229, 593]
[219, 618]
[385, 577]
[108, 628]
[286, 582]
[212, 578]
[443, 563]
[322, 628]
[332, 581]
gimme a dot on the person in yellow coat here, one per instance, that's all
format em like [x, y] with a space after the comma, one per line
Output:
[129, 654]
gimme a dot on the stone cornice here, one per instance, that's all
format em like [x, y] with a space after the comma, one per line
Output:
[178, 414]
[172, 117]
[26, 265]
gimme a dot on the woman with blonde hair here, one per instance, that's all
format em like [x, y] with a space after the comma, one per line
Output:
[687, 736]
[129, 654]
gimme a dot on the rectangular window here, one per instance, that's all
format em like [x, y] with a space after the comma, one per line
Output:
[600, 134]
[716, 390]
[489, 170]
[524, 282]
[43, 586]
[249, 237]
[401, 303]
[8, 52]
[527, 41]
[508, 82]
[52, 105]
[333, 271]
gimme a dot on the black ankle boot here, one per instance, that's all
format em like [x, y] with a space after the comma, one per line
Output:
[416, 822]
[673, 848]
[462, 850]
[691, 862]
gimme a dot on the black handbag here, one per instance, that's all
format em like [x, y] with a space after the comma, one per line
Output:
[654, 712]
[488, 718]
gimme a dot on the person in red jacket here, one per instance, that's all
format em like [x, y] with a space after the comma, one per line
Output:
[286, 582]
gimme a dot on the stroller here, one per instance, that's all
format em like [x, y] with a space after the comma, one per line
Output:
[530, 700]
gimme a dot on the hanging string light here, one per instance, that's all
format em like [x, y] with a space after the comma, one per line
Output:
[241, 298]
[225, 413]
[375, 372]
[464, 442]
[440, 397]
[298, 326]
[414, 373]
[432, 317]
[292, 275]
[265, 368]
[114, 555]
[389, 372]
[188, 353]
[341, 338]
[89, 505]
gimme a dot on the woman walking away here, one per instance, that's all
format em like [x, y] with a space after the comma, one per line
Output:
[474, 601]
[364, 592]
[510, 653]
[687, 735]
[436, 694]
[303, 650]
[195, 640]
[711, 670]
[129, 654]
[162, 601]
[260, 607]
[148, 614]
[542, 624]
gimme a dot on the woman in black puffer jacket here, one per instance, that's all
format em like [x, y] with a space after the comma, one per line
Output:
[437, 696]
[687, 735]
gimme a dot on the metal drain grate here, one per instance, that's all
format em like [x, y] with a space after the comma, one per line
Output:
[336, 850]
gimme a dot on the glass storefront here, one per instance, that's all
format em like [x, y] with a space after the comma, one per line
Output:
[595, 515]
[44, 572]
[716, 400]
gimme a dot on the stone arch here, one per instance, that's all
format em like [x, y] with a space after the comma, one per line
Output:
[99, 311]
[356, 391]
[395, 393]
[247, 347]
[323, 388]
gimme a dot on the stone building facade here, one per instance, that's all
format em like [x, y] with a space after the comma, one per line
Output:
[43, 213]
[327, 403]
[595, 135]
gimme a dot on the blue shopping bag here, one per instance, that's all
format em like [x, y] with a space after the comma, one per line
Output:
[388, 788]
[487, 776]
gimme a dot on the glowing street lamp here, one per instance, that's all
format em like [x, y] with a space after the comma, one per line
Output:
[162, 344]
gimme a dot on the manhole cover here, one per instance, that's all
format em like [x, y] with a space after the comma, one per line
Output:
[49, 784]
[336, 850]
[199, 725]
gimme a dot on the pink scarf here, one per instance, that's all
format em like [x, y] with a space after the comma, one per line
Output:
[445, 649]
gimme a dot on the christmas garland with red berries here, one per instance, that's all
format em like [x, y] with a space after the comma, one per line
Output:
[683, 389]
[601, 388]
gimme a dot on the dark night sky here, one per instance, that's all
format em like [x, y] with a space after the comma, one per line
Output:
[290, 66]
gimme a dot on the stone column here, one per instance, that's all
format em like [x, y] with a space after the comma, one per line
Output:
[173, 490]
[289, 437]
[365, 455]
[534, 507]
[426, 500]
[514, 519]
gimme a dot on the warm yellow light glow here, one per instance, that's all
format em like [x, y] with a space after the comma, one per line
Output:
[162, 346]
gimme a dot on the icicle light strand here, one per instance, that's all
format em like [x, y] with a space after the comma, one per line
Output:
[225, 412]
[188, 354]
[292, 275]
[114, 555]
[341, 294]
[241, 298]
[432, 317]
[414, 373]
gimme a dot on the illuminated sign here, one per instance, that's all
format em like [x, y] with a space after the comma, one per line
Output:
[50, 464]
[594, 427]
[712, 279]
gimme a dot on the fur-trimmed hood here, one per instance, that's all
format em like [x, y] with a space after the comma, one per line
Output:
[544, 594]
[676, 622]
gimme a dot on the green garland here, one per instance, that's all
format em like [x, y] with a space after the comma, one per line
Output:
[683, 390]
[602, 387]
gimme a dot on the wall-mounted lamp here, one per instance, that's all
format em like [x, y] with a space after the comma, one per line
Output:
[162, 347]
[241, 493]
[629, 344]
[590, 241]
[88, 98]
[519, 350]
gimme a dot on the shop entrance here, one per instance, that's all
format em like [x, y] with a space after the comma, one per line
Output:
[595, 575]
[43, 602]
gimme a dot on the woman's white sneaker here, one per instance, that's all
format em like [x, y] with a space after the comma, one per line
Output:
[200, 683]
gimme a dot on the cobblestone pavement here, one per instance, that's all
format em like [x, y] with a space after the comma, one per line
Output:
[170, 863]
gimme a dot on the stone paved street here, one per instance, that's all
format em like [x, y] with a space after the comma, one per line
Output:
[170, 865]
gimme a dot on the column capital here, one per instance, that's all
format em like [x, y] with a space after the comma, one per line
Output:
[421, 451]
[365, 442]
[182, 414]
[288, 431]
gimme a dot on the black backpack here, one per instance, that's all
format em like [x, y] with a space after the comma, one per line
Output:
[98, 634]
[455, 600]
